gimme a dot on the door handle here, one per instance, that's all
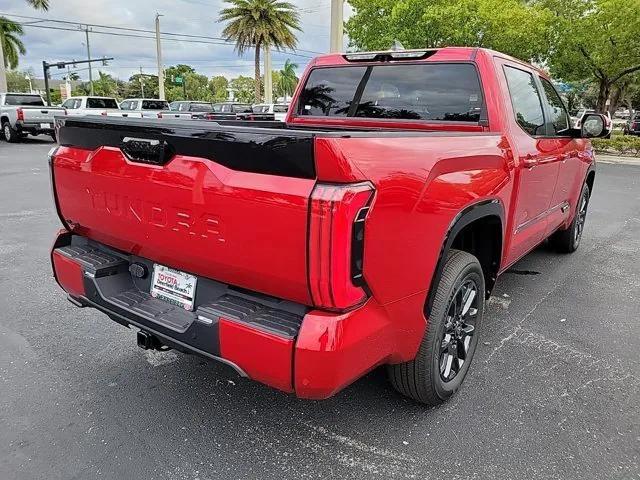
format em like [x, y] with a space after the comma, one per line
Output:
[529, 161]
[562, 157]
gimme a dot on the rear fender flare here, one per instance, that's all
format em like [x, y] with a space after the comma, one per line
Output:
[471, 213]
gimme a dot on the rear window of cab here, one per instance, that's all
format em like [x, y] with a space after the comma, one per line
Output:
[434, 91]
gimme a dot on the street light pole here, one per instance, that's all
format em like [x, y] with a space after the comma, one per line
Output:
[337, 26]
[159, 58]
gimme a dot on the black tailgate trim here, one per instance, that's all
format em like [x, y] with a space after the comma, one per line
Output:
[250, 148]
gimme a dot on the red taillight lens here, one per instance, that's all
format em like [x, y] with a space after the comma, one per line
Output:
[20, 114]
[336, 244]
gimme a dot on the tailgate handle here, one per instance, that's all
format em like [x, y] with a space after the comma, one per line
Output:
[145, 150]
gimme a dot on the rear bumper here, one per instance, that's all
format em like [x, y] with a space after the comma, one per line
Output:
[35, 127]
[279, 343]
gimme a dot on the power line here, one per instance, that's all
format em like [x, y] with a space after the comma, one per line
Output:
[221, 41]
[130, 35]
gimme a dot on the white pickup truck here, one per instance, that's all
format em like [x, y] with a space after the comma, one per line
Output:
[23, 114]
[143, 107]
[83, 106]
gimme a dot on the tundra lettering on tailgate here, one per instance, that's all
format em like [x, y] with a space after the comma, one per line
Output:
[178, 219]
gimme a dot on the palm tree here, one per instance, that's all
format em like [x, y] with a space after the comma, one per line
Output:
[12, 46]
[39, 4]
[288, 80]
[8, 25]
[258, 24]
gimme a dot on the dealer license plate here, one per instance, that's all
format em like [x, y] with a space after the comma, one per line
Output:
[173, 286]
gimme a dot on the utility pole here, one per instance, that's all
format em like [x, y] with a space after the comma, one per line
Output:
[86, 33]
[159, 55]
[141, 82]
[337, 26]
[268, 77]
[3, 72]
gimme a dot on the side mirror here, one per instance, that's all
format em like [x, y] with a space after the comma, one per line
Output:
[594, 125]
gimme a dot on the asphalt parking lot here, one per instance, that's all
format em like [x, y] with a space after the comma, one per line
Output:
[554, 391]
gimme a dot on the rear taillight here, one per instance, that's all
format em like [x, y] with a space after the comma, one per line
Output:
[20, 113]
[336, 244]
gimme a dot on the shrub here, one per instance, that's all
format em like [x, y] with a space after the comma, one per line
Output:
[623, 145]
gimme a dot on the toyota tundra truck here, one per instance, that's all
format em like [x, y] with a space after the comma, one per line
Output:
[23, 114]
[368, 229]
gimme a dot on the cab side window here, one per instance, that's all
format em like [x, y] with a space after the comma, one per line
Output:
[525, 98]
[559, 116]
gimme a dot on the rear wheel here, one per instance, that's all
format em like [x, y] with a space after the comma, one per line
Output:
[568, 241]
[451, 335]
[10, 134]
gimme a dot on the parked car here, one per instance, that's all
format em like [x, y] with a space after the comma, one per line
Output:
[279, 110]
[87, 105]
[23, 114]
[632, 127]
[187, 110]
[368, 230]
[143, 107]
[228, 110]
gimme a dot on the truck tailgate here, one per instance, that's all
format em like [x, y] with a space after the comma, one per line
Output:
[40, 114]
[229, 204]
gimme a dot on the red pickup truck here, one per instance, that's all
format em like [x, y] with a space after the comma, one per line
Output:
[368, 229]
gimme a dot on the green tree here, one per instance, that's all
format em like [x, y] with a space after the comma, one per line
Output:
[514, 27]
[105, 85]
[597, 40]
[219, 87]
[141, 82]
[257, 24]
[17, 81]
[287, 80]
[12, 46]
[243, 89]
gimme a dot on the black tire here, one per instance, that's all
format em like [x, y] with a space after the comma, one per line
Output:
[423, 378]
[11, 135]
[568, 240]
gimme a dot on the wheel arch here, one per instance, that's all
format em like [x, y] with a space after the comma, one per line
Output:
[591, 178]
[485, 218]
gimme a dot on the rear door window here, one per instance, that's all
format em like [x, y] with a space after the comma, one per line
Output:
[200, 107]
[432, 92]
[154, 105]
[102, 103]
[525, 98]
[24, 100]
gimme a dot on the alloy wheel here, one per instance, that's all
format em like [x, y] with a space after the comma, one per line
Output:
[582, 216]
[459, 330]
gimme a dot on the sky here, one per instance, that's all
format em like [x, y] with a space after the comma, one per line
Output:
[191, 17]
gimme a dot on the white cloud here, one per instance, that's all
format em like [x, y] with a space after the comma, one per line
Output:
[194, 17]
